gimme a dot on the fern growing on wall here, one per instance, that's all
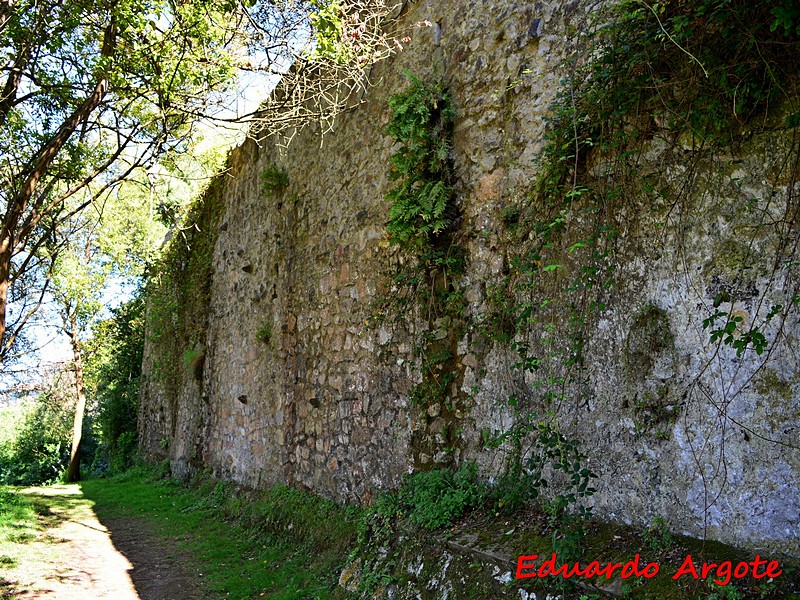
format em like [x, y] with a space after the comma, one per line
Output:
[421, 199]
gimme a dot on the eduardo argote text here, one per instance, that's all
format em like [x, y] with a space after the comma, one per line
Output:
[722, 572]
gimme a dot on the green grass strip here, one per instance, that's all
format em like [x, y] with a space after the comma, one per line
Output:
[277, 543]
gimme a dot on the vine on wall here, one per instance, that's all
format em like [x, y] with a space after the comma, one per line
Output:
[179, 292]
[696, 79]
[423, 225]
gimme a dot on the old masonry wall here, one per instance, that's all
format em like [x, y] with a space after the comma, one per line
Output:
[286, 378]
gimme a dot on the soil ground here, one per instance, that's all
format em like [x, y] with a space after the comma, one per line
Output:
[74, 556]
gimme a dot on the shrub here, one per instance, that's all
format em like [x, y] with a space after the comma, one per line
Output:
[434, 499]
[273, 179]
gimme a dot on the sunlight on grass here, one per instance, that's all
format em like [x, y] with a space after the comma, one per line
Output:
[25, 518]
[277, 543]
[32, 546]
[17, 523]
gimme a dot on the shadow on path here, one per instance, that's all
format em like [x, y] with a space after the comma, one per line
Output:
[56, 548]
[160, 571]
[62, 550]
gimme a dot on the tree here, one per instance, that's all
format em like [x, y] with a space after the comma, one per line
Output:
[37, 451]
[113, 371]
[113, 240]
[98, 249]
[79, 279]
[92, 91]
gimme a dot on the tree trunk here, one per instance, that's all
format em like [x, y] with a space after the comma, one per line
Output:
[74, 470]
[9, 93]
[5, 273]
[6, 8]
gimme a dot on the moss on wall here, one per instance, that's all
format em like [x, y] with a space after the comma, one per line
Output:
[581, 306]
[179, 293]
[649, 336]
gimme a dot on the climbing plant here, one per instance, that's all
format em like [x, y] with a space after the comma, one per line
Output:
[421, 201]
[693, 81]
[423, 228]
[178, 294]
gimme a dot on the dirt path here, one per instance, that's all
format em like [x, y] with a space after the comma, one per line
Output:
[73, 556]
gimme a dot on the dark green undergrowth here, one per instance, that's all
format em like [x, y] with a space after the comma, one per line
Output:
[178, 294]
[287, 544]
[413, 529]
[276, 543]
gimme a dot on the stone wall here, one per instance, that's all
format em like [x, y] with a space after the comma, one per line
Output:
[297, 386]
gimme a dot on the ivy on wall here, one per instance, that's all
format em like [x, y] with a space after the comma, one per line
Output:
[179, 292]
[711, 73]
[697, 78]
[423, 226]
[701, 75]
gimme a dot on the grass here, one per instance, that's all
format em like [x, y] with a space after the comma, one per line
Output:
[278, 543]
[27, 515]
[282, 543]
[17, 524]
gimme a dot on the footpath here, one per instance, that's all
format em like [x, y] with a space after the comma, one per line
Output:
[69, 554]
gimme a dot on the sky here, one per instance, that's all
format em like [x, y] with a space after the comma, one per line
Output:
[50, 343]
